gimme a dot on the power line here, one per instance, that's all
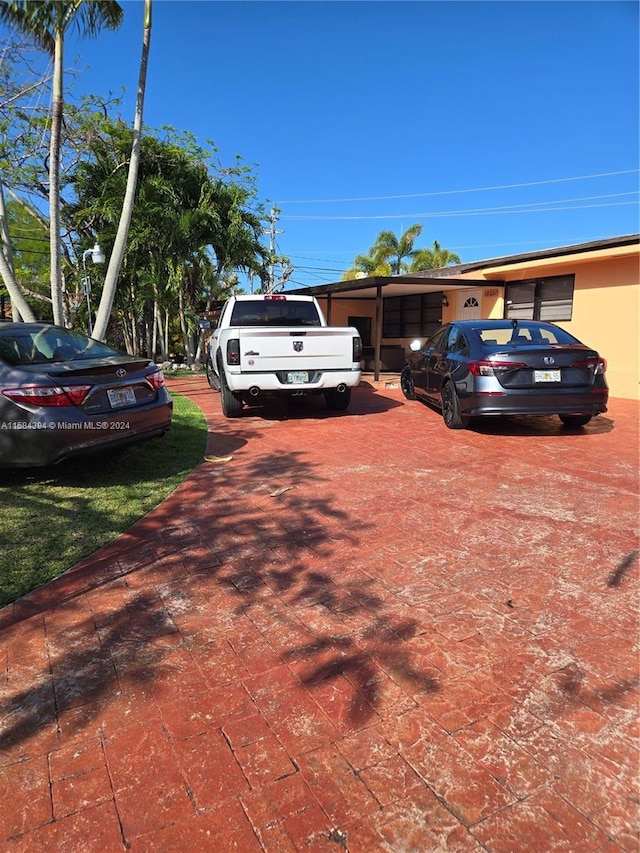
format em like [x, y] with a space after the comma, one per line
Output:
[482, 211]
[454, 192]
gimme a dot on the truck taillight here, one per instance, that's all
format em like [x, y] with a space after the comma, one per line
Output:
[233, 351]
[357, 349]
[278, 296]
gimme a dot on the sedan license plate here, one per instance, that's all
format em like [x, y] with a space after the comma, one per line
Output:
[121, 397]
[297, 377]
[546, 376]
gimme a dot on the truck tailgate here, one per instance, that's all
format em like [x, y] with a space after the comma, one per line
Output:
[323, 348]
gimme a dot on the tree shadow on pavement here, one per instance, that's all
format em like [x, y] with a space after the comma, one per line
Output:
[260, 544]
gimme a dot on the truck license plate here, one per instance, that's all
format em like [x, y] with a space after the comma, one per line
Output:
[121, 397]
[297, 377]
[546, 376]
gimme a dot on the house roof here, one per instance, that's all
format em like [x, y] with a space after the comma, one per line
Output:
[457, 277]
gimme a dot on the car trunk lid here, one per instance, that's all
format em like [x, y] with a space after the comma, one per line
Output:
[115, 383]
[532, 366]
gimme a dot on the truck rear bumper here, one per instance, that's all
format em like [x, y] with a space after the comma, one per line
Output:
[270, 383]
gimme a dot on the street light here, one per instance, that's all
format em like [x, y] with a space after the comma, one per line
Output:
[97, 256]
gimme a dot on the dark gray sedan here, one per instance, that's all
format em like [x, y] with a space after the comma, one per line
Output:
[506, 367]
[64, 394]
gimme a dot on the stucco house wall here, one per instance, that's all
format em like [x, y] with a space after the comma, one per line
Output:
[605, 308]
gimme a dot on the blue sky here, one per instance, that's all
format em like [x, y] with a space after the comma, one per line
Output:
[502, 127]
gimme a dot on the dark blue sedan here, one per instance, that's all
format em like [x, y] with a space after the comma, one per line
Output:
[484, 368]
[63, 394]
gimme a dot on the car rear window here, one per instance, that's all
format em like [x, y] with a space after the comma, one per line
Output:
[523, 335]
[48, 345]
[279, 312]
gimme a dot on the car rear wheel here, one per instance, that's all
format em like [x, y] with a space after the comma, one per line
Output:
[451, 408]
[574, 420]
[407, 385]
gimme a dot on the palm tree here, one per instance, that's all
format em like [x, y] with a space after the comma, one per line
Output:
[434, 258]
[387, 255]
[120, 244]
[394, 249]
[188, 230]
[46, 22]
[365, 266]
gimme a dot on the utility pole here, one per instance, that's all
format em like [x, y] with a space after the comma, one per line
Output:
[273, 258]
[273, 218]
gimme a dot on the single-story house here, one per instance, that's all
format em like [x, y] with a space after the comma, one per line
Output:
[590, 289]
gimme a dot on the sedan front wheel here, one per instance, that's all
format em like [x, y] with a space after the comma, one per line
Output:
[406, 383]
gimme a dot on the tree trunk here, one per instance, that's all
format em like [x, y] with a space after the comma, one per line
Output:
[126, 334]
[20, 308]
[54, 183]
[156, 327]
[183, 324]
[120, 244]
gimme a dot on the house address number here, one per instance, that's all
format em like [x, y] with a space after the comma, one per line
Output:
[494, 292]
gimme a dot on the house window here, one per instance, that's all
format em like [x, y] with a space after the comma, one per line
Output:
[549, 299]
[416, 316]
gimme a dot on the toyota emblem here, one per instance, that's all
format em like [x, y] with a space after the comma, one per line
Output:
[121, 373]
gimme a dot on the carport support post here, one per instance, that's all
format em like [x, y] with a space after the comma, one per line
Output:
[376, 355]
[328, 309]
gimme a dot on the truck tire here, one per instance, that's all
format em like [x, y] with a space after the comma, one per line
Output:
[337, 401]
[231, 403]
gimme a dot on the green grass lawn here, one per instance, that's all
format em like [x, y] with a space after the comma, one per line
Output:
[51, 518]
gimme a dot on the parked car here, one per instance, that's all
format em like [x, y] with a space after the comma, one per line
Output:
[506, 367]
[63, 394]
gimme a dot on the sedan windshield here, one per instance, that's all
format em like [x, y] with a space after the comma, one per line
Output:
[46, 345]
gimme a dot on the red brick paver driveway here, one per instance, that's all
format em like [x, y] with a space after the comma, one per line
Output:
[364, 633]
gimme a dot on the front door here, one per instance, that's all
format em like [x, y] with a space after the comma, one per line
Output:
[469, 305]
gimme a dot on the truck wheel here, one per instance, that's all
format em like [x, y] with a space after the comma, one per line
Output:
[337, 401]
[231, 403]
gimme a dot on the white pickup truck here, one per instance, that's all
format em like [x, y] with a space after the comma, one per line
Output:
[280, 344]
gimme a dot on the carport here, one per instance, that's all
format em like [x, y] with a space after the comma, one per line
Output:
[379, 288]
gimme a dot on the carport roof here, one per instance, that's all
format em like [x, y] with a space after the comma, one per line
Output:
[393, 285]
[453, 277]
